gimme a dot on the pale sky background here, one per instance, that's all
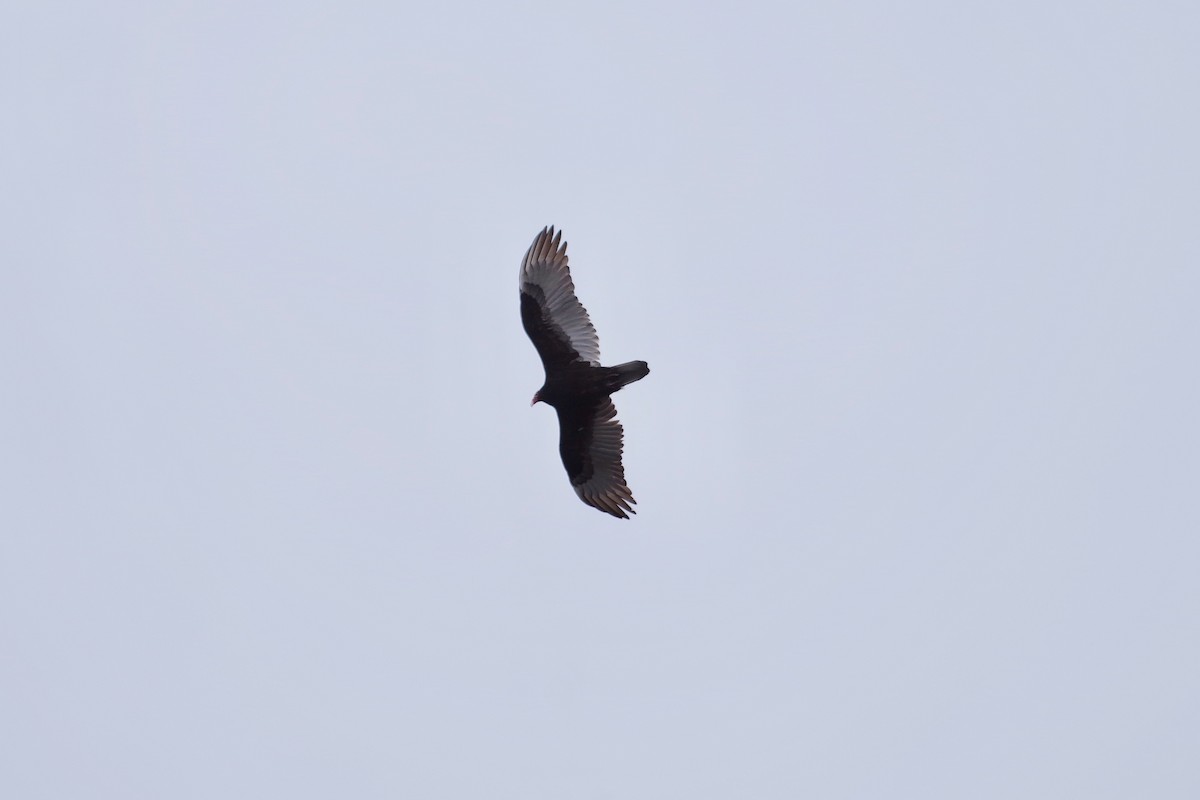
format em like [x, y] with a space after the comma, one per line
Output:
[917, 462]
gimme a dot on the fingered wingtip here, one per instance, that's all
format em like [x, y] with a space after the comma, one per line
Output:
[548, 244]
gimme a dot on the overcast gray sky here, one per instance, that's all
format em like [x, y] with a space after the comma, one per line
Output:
[917, 461]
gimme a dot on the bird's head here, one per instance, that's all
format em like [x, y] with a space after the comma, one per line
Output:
[537, 398]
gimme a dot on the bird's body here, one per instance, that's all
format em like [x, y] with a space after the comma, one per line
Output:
[577, 386]
[584, 383]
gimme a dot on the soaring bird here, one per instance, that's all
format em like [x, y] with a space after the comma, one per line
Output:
[590, 437]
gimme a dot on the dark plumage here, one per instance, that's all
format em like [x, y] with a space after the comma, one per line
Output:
[579, 388]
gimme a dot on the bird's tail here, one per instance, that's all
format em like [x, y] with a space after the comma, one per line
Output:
[629, 372]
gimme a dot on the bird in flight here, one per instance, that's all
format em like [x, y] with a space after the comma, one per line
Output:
[590, 437]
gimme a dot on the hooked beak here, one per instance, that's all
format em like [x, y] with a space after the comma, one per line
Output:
[537, 398]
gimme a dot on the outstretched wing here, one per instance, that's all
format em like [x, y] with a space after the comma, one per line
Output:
[554, 318]
[590, 442]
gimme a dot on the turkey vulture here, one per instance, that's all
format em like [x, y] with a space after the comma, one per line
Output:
[589, 435]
